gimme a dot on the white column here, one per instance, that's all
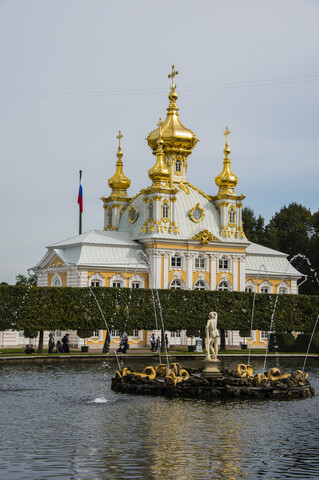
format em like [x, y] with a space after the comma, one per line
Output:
[165, 267]
[189, 271]
[213, 268]
[242, 273]
[155, 274]
[235, 273]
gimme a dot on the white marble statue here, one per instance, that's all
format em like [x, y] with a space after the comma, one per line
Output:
[212, 335]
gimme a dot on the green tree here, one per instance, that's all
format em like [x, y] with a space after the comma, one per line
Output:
[254, 228]
[291, 230]
[26, 280]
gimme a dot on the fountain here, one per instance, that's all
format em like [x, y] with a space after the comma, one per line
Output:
[210, 383]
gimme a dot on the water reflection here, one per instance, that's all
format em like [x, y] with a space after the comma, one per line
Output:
[64, 422]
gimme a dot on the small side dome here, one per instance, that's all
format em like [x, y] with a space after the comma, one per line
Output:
[226, 181]
[119, 182]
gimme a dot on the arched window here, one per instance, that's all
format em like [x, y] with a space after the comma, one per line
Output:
[231, 215]
[150, 210]
[200, 285]
[176, 260]
[118, 281]
[165, 210]
[176, 284]
[250, 286]
[96, 280]
[178, 166]
[56, 281]
[223, 286]
[136, 281]
[109, 221]
[265, 287]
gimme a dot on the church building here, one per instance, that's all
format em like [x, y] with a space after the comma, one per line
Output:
[171, 234]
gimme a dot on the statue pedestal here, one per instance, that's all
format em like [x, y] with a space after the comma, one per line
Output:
[211, 369]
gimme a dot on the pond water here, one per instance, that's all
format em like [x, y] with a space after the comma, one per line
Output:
[62, 421]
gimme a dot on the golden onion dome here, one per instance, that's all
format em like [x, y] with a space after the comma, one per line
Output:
[226, 181]
[174, 134]
[119, 182]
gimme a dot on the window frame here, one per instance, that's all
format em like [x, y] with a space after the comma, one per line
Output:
[203, 285]
[176, 257]
[176, 284]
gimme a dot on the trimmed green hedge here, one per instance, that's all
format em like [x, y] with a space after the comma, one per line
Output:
[52, 308]
[302, 343]
[284, 341]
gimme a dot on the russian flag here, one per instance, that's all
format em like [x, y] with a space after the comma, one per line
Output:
[80, 196]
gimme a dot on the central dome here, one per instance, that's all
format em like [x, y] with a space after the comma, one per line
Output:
[173, 133]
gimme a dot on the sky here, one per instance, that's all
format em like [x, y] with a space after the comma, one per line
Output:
[75, 72]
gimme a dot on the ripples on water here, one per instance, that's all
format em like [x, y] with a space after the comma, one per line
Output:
[64, 422]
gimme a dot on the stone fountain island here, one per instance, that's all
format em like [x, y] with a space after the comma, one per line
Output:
[209, 382]
[177, 382]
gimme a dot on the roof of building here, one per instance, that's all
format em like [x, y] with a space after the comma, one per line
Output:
[263, 260]
[188, 197]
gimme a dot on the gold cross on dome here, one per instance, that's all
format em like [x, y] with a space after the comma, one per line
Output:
[172, 75]
[119, 136]
[226, 133]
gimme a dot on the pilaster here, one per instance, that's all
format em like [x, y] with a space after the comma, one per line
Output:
[189, 270]
[213, 269]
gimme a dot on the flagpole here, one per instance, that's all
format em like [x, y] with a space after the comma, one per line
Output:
[80, 209]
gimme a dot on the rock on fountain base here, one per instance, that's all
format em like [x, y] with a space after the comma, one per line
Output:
[228, 386]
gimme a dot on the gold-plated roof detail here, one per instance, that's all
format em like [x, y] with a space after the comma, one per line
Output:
[119, 183]
[226, 181]
[174, 134]
[160, 172]
[205, 236]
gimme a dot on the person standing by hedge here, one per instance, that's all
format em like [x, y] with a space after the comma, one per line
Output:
[65, 343]
[51, 343]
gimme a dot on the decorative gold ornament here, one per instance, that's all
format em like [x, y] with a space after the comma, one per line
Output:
[132, 214]
[197, 213]
[205, 237]
[184, 187]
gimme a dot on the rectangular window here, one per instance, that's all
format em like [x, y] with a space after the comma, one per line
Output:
[115, 333]
[57, 333]
[199, 262]
[96, 333]
[176, 262]
[282, 290]
[177, 333]
[95, 283]
[264, 335]
[248, 289]
[223, 264]
[116, 284]
[21, 333]
[135, 333]
[135, 285]
[264, 290]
